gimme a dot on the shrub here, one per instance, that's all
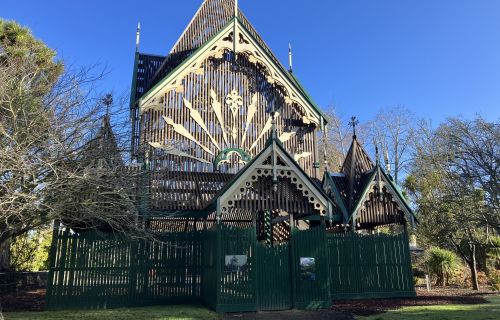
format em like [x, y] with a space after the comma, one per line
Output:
[494, 278]
[442, 264]
[30, 251]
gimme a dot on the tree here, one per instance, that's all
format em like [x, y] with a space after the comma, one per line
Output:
[337, 140]
[450, 203]
[393, 130]
[30, 251]
[51, 167]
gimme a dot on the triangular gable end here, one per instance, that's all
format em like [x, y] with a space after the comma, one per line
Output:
[286, 167]
[215, 47]
[210, 18]
[385, 181]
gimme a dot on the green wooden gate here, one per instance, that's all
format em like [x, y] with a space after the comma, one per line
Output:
[310, 292]
[274, 277]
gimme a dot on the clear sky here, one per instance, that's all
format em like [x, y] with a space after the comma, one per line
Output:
[437, 57]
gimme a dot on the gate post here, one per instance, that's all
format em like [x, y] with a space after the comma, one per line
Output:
[293, 271]
[218, 265]
[256, 265]
[327, 263]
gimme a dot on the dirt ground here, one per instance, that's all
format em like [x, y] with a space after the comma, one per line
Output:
[34, 300]
[347, 309]
[435, 297]
[29, 300]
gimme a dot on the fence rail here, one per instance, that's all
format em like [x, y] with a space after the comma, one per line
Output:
[90, 270]
[369, 266]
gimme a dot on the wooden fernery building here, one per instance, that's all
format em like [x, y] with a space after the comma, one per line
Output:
[242, 217]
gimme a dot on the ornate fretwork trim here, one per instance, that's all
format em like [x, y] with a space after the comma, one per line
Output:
[260, 167]
[216, 48]
[378, 182]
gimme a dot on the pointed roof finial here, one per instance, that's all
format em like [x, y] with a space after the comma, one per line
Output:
[137, 36]
[107, 100]
[377, 160]
[273, 121]
[235, 8]
[387, 163]
[353, 123]
[289, 57]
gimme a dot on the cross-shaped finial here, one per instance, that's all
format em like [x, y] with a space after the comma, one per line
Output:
[107, 101]
[353, 123]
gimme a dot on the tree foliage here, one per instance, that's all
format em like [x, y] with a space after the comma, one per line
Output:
[30, 251]
[442, 264]
[52, 163]
[446, 187]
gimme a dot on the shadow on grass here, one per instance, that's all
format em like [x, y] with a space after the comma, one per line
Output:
[183, 312]
[485, 311]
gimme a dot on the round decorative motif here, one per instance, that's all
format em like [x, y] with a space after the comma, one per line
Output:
[225, 155]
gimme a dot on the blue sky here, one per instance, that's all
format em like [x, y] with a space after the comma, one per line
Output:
[436, 57]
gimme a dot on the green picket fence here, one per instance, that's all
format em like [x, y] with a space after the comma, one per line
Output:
[369, 266]
[90, 270]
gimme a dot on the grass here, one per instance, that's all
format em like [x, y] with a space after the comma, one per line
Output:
[485, 311]
[147, 313]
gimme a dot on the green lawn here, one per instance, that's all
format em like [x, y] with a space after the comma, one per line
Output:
[148, 313]
[485, 311]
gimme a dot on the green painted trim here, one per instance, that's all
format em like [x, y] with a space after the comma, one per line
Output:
[184, 63]
[358, 203]
[248, 165]
[337, 196]
[287, 74]
[279, 67]
[391, 184]
[223, 155]
[398, 193]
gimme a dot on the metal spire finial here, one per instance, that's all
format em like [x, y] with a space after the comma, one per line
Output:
[273, 121]
[353, 123]
[137, 36]
[289, 57]
[107, 100]
[387, 163]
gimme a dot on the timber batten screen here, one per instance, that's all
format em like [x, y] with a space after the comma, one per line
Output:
[225, 144]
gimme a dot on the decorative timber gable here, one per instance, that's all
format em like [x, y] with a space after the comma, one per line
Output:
[288, 188]
[207, 107]
[215, 48]
[364, 194]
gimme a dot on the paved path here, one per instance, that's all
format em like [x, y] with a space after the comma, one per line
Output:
[290, 315]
